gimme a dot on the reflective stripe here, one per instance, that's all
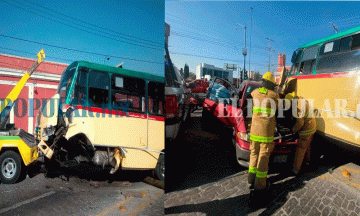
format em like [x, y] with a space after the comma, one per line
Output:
[263, 110]
[263, 90]
[307, 114]
[261, 138]
[261, 174]
[304, 133]
[252, 169]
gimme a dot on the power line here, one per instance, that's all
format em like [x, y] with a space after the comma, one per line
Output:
[101, 35]
[47, 56]
[94, 24]
[232, 60]
[75, 50]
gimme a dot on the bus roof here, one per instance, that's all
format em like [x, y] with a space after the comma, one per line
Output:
[123, 71]
[332, 37]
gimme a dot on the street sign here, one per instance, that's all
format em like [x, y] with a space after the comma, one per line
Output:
[230, 66]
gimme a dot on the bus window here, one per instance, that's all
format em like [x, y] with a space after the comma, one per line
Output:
[329, 48]
[156, 98]
[127, 93]
[345, 60]
[65, 83]
[295, 60]
[79, 97]
[345, 44]
[99, 83]
[355, 41]
[308, 60]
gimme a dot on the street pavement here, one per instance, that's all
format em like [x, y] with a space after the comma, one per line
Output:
[208, 181]
[125, 195]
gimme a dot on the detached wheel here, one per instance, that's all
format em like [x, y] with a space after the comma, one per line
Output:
[12, 168]
[160, 168]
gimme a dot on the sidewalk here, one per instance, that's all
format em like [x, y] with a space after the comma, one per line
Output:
[315, 193]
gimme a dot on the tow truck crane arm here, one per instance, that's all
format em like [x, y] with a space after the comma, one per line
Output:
[15, 92]
[18, 149]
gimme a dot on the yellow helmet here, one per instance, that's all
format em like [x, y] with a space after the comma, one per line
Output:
[290, 96]
[269, 77]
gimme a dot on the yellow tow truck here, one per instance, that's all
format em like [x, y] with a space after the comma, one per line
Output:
[18, 149]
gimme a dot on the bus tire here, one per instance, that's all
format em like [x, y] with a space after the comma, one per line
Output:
[160, 168]
[12, 168]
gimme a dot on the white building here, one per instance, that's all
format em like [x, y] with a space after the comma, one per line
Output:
[209, 71]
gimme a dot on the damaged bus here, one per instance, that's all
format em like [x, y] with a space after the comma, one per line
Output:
[107, 116]
[326, 72]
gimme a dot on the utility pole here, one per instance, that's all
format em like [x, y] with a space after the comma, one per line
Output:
[250, 38]
[269, 49]
[244, 51]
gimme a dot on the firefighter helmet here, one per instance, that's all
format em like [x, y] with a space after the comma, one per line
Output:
[269, 77]
[290, 96]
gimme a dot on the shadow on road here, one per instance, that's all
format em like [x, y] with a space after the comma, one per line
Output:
[199, 156]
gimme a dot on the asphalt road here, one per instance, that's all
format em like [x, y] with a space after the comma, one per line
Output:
[83, 194]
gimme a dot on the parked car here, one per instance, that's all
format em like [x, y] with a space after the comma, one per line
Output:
[232, 112]
[177, 99]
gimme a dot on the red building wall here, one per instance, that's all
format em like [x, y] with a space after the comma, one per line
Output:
[42, 85]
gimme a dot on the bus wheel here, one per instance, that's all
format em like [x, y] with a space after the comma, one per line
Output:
[160, 168]
[12, 168]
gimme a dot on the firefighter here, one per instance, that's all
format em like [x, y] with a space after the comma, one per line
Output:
[265, 101]
[305, 126]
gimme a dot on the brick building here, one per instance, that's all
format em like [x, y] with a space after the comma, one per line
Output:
[281, 64]
[42, 85]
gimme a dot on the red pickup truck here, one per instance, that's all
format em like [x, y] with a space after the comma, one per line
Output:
[233, 112]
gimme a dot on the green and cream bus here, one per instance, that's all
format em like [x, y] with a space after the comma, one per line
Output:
[327, 72]
[108, 116]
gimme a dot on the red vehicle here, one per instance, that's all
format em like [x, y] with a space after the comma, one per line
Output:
[198, 86]
[233, 113]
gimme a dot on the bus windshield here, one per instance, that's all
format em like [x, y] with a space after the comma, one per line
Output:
[65, 83]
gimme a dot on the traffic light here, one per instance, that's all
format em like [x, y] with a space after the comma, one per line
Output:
[245, 75]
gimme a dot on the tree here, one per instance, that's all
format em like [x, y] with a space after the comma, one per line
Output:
[192, 76]
[186, 71]
[257, 76]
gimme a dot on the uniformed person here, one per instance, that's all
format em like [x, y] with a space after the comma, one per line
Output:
[265, 101]
[305, 126]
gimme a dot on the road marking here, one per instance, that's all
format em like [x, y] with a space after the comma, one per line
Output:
[145, 204]
[26, 202]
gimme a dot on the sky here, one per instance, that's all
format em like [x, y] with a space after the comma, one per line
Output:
[110, 32]
[205, 32]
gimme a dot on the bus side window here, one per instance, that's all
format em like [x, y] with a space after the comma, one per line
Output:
[308, 60]
[127, 93]
[156, 98]
[99, 83]
[345, 60]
